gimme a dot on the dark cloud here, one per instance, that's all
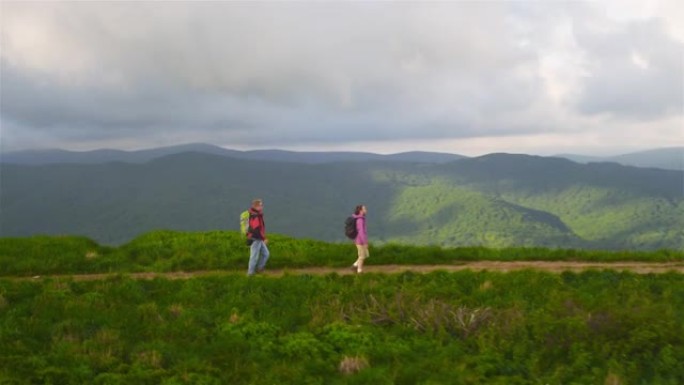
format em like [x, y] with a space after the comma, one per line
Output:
[274, 74]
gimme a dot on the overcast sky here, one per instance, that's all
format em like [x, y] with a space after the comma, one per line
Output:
[467, 77]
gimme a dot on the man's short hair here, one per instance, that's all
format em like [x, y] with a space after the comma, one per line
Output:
[257, 202]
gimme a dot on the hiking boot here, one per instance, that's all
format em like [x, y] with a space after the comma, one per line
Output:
[354, 269]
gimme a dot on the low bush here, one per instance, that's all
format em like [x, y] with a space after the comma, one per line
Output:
[459, 328]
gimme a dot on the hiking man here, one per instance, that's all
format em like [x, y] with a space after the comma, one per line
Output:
[361, 239]
[256, 234]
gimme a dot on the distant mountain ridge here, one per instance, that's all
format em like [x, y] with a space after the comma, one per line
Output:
[664, 158]
[497, 200]
[54, 156]
[671, 158]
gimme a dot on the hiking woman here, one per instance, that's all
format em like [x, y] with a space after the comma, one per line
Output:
[361, 239]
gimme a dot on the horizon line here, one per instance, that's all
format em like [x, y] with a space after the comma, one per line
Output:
[257, 149]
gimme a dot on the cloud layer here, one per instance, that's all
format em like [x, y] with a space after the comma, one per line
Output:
[100, 74]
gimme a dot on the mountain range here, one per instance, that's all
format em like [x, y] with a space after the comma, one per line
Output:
[665, 158]
[671, 158]
[496, 200]
[52, 156]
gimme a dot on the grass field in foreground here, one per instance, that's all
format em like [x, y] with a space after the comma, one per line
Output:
[439, 328]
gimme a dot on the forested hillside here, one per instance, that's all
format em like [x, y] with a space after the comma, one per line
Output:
[497, 200]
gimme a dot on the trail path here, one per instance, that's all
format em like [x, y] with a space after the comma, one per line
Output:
[555, 267]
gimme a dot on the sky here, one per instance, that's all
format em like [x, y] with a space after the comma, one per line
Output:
[468, 77]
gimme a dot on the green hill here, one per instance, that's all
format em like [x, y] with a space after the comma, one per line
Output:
[498, 200]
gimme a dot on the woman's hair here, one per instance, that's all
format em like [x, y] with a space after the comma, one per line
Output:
[358, 209]
[257, 202]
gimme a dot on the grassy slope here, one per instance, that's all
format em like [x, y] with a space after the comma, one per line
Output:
[459, 328]
[164, 251]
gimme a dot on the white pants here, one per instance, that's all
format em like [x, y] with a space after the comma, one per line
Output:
[363, 254]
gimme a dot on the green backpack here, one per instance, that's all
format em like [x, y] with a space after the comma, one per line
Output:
[244, 222]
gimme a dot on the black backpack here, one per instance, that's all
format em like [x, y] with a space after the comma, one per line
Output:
[350, 228]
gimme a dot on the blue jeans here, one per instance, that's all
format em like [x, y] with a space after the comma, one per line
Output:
[258, 256]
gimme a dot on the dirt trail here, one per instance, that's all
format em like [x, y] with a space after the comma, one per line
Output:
[555, 267]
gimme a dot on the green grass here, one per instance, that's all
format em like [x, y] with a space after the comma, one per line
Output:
[438, 328]
[466, 327]
[166, 251]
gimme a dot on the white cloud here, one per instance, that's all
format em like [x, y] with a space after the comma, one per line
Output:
[634, 71]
